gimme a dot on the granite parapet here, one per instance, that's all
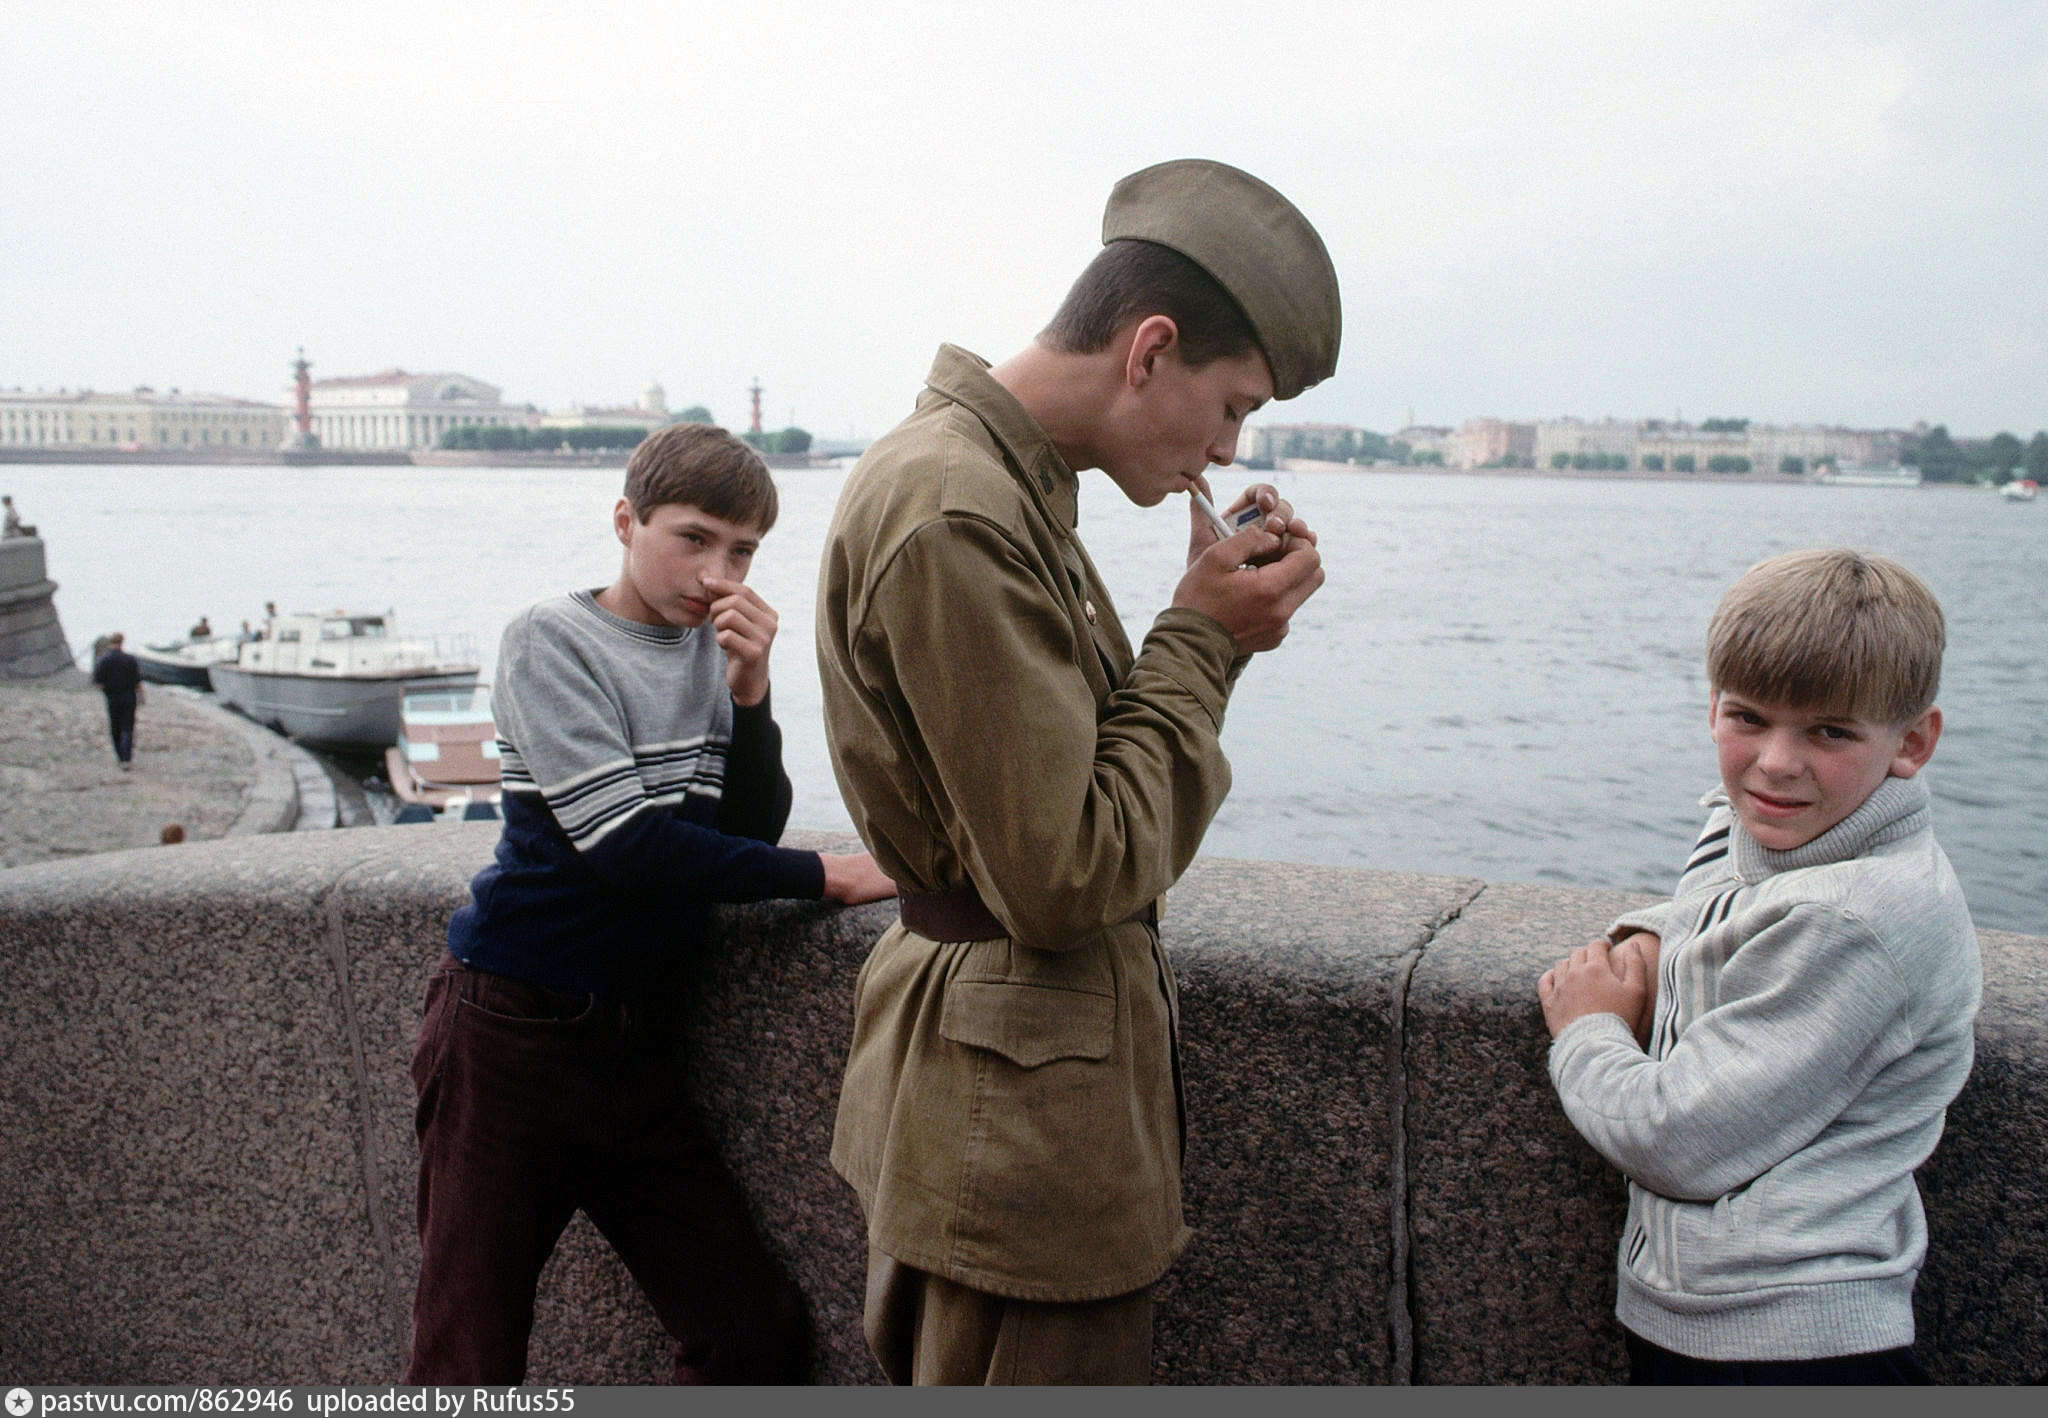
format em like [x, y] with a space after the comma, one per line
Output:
[210, 1162]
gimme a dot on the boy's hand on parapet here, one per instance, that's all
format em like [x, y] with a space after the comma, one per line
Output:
[1647, 948]
[854, 879]
[1252, 583]
[745, 625]
[1594, 979]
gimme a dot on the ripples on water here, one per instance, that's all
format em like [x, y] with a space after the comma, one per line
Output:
[1501, 678]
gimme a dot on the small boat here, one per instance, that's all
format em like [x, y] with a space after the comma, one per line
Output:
[186, 661]
[446, 757]
[336, 681]
[2019, 490]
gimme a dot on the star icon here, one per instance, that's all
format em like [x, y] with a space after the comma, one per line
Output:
[19, 1402]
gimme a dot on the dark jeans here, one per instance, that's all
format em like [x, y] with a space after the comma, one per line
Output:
[121, 722]
[534, 1103]
[1650, 1364]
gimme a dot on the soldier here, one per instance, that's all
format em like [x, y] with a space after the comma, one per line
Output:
[1011, 1115]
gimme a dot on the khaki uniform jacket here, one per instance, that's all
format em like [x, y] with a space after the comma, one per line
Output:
[1011, 1115]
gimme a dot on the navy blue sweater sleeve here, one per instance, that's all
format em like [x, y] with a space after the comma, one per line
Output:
[735, 860]
[757, 795]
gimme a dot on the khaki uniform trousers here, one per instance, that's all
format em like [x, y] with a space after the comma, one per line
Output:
[926, 1329]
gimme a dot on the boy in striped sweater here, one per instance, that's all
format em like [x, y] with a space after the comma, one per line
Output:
[643, 781]
[1769, 1055]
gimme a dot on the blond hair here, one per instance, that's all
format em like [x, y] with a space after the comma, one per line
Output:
[1832, 630]
[701, 464]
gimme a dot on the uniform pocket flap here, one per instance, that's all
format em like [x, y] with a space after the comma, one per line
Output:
[1029, 1024]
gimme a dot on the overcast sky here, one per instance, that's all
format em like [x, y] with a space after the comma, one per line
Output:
[1794, 212]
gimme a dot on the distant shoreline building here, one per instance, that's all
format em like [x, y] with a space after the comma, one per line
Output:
[1644, 445]
[395, 409]
[1660, 445]
[1265, 445]
[140, 419]
[650, 413]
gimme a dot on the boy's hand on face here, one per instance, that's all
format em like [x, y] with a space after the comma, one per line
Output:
[1594, 979]
[1251, 583]
[745, 625]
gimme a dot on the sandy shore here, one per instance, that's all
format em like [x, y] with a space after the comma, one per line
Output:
[62, 794]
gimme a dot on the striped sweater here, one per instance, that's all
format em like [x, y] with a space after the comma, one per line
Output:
[1813, 1022]
[635, 795]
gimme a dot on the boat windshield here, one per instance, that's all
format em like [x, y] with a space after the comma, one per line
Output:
[464, 704]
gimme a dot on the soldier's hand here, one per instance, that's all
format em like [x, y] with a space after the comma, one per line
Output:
[1253, 582]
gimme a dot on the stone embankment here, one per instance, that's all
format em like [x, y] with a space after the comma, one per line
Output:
[198, 766]
[209, 1164]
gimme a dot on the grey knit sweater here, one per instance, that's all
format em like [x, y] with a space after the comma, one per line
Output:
[1814, 1020]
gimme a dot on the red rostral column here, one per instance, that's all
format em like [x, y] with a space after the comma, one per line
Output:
[305, 391]
[755, 390]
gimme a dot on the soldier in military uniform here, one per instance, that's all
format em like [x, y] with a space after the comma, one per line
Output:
[1011, 1115]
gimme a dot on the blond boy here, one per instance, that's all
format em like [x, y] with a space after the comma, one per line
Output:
[1769, 1055]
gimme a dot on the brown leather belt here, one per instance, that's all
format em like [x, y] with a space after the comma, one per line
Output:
[957, 915]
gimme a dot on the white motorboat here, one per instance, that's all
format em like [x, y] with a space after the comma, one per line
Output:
[2019, 490]
[186, 661]
[336, 681]
[446, 757]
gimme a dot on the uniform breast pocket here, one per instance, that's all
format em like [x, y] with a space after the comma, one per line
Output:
[1029, 1024]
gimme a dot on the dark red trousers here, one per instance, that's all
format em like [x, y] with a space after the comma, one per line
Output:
[533, 1104]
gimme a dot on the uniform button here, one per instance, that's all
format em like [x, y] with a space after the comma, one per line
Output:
[1088, 609]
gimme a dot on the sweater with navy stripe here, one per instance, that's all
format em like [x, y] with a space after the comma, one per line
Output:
[1814, 1019]
[635, 794]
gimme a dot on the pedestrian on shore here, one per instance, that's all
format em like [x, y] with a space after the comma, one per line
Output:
[643, 782]
[119, 677]
[1010, 1116]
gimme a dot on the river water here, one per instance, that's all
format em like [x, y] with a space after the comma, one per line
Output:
[1501, 678]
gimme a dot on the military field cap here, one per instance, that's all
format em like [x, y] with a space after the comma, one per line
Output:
[1258, 247]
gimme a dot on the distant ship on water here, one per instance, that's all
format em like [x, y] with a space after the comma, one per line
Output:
[1868, 475]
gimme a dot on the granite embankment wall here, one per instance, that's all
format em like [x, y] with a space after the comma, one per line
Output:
[32, 643]
[208, 1162]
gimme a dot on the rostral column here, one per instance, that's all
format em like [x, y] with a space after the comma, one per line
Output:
[303, 402]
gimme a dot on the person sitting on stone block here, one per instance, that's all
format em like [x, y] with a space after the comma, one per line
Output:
[643, 781]
[1769, 1055]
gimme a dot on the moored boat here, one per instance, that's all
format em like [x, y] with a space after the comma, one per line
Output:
[336, 681]
[186, 661]
[2019, 490]
[446, 757]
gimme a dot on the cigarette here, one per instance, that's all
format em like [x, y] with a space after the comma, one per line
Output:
[1209, 511]
[1223, 529]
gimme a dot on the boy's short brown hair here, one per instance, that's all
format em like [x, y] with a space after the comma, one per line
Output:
[1832, 630]
[701, 464]
[1129, 280]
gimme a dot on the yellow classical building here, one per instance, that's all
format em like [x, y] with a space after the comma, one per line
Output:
[142, 419]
